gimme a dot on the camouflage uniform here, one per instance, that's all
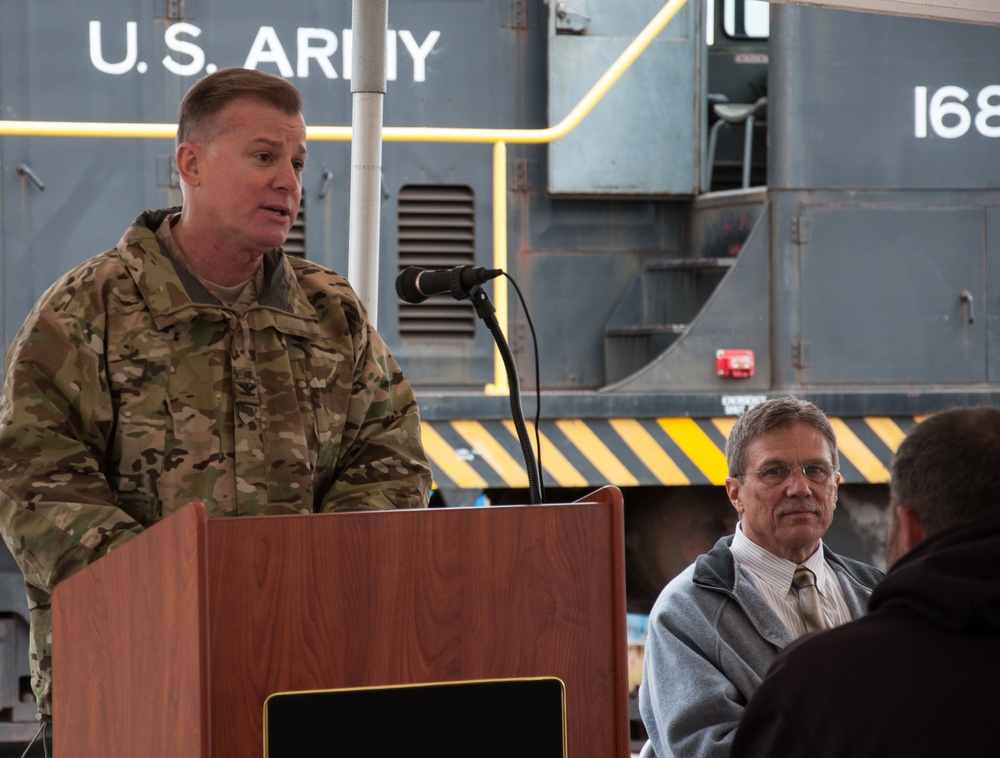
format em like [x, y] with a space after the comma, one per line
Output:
[131, 391]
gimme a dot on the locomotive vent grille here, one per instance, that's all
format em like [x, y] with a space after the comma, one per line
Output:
[437, 230]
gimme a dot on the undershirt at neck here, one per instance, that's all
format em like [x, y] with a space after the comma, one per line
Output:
[227, 295]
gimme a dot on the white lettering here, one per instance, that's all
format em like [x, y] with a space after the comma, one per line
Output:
[131, 49]
[320, 54]
[988, 110]
[171, 37]
[419, 53]
[267, 49]
[947, 104]
[920, 112]
[734, 405]
[940, 107]
[390, 55]
[315, 47]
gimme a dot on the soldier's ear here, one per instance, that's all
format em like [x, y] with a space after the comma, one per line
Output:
[188, 159]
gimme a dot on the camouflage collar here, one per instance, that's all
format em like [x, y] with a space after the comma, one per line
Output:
[173, 294]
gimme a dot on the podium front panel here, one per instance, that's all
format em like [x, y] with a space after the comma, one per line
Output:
[373, 599]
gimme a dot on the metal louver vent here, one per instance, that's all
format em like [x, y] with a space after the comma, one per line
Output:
[437, 230]
[296, 242]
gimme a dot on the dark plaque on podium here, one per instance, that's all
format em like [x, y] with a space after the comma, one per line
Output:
[490, 719]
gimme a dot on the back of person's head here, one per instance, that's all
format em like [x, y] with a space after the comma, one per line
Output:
[769, 415]
[198, 120]
[945, 471]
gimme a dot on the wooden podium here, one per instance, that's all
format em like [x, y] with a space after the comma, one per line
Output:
[169, 645]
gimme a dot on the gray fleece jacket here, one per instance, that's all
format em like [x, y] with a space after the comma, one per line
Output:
[711, 639]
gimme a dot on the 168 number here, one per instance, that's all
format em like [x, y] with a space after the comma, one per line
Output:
[947, 115]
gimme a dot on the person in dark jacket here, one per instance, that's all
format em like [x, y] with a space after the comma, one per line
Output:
[918, 675]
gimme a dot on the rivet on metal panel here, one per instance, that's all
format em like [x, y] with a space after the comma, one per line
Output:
[800, 354]
[800, 231]
[519, 14]
[521, 182]
[174, 10]
[521, 336]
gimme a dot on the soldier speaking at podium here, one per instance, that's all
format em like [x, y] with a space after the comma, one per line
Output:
[197, 361]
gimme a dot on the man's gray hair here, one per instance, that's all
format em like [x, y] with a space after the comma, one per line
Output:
[778, 413]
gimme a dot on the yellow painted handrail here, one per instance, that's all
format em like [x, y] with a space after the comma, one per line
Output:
[498, 137]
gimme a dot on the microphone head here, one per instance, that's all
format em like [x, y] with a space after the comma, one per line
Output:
[406, 285]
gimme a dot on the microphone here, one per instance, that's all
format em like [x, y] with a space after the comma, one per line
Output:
[415, 284]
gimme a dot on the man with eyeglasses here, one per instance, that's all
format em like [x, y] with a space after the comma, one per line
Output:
[716, 627]
[917, 675]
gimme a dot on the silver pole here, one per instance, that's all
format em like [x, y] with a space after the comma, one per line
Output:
[369, 21]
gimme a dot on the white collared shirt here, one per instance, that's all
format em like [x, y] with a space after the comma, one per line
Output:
[772, 577]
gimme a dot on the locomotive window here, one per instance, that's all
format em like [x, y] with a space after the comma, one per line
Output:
[746, 19]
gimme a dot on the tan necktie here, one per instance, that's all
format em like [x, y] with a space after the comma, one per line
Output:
[804, 582]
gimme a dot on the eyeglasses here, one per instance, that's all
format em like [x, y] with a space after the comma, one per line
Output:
[773, 475]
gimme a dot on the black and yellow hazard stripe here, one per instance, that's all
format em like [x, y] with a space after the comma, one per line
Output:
[630, 452]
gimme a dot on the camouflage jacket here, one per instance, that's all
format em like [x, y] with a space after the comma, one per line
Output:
[131, 391]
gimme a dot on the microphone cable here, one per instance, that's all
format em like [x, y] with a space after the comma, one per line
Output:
[538, 385]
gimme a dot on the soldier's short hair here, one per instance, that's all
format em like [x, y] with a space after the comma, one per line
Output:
[777, 413]
[945, 470]
[198, 120]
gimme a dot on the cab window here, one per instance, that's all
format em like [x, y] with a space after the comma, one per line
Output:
[746, 19]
